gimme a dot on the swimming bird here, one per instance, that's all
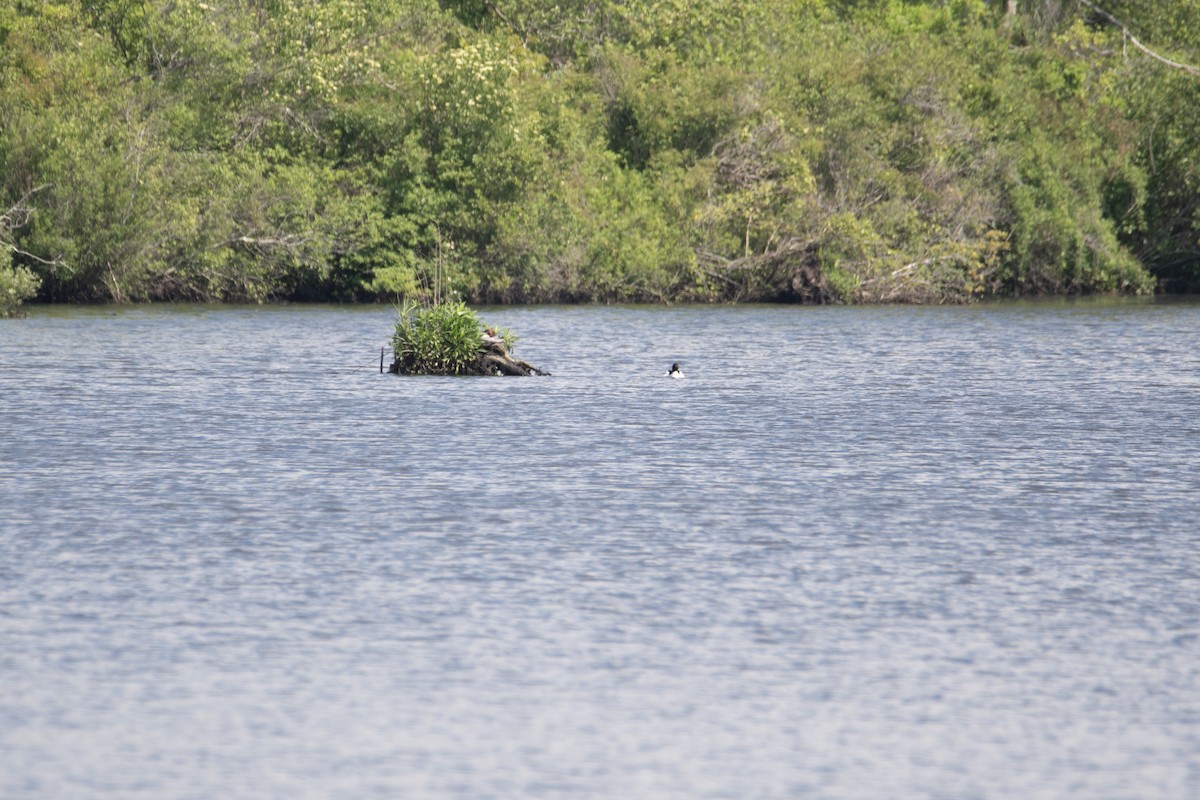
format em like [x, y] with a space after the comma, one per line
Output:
[675, 372]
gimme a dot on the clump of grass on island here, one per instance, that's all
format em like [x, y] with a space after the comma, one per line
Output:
[445, 339]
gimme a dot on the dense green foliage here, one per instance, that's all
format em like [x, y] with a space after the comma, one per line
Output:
[17, 284]
[524, 150]
[440, 338]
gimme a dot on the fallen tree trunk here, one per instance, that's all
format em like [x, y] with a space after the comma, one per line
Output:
[492, 360]
[507, 365]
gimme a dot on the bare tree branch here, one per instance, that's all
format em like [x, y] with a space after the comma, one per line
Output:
[17, 216]
[519, 31]
[1133, 40]
[21, 211]
[287, 241]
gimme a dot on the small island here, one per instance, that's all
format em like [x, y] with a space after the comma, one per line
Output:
[449, 339]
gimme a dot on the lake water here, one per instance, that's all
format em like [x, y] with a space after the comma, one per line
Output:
[856, 553]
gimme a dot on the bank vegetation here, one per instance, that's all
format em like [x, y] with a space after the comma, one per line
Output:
[596, 150]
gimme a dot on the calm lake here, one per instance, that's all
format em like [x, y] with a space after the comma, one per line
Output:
[855, 553]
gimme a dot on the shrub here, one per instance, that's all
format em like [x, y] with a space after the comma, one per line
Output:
[17, 284]
[442, 339]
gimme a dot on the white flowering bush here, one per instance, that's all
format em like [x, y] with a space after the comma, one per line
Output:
[469, 91]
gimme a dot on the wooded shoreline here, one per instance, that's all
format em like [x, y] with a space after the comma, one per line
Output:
[525, 152]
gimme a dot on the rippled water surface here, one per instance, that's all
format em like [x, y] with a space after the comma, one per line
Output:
[856, 553]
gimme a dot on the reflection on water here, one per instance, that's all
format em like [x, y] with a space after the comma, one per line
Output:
[857, 552]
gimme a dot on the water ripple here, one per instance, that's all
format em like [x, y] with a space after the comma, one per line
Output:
[857, 553]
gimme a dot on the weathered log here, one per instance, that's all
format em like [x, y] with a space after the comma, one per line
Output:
[507, 365]
[492, 361]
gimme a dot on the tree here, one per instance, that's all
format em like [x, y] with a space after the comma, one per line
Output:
[17, 283]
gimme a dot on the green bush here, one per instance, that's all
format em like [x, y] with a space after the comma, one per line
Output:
[441, 339]
[17, 284]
